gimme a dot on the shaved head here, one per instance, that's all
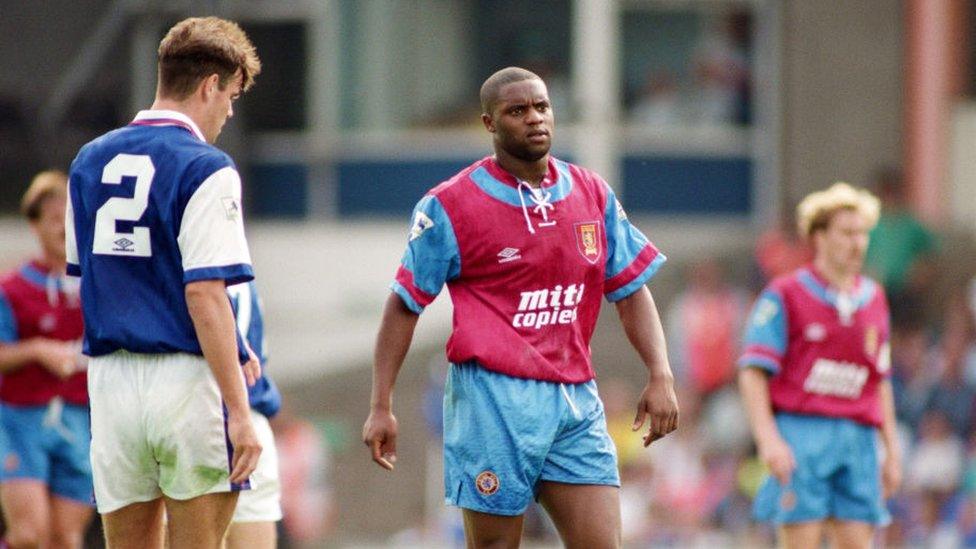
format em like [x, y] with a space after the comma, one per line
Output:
[495, 82]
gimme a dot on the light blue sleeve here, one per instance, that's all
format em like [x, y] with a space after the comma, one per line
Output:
[764, 343]
[631, 258]
[432, 257]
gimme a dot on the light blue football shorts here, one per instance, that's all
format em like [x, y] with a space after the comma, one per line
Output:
[837, 475]
[49, 444]
[502, 435]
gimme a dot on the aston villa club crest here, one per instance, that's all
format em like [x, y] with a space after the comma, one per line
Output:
[487, 483]
[588, 240]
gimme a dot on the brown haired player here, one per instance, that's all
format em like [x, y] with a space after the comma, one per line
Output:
[155, 230]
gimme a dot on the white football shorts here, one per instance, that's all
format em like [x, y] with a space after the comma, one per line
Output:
[262, 503]
[158, 427]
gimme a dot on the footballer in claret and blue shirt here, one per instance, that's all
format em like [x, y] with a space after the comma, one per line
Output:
[814, 375]
[45, 472]
[526, 271]
[528, 246]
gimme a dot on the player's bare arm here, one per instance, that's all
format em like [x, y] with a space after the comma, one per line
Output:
[642, 324]
[773, 450]
[213, 320]
[891, 472]
[58, 357]
[392, 344]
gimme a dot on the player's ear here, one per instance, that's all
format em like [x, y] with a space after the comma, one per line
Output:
[210, 85]
[489, 123]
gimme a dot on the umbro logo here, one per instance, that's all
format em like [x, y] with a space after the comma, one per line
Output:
[123, 245]
[508, 254]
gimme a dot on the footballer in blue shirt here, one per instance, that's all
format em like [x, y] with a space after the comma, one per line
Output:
[154, 229]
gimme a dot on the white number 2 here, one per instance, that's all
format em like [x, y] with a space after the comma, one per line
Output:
[107, 239]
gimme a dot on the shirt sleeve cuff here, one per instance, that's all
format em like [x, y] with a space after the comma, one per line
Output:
[231, 274]
[638, 281]
[408, 299]
[752, 360]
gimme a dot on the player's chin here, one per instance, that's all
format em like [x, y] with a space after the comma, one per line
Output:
[535, 151]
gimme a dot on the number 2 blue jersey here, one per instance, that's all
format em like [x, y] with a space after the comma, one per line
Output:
[264, 396]
[151, 208]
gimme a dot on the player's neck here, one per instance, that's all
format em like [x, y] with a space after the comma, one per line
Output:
[531, 172]
[182, 107]
[835, 276]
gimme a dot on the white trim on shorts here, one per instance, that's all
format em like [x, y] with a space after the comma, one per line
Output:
[262, 503]
[158, 428]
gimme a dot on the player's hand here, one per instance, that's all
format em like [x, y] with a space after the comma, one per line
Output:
[252, 368]
[890, 476]
[247, 448]
[660, 403]
[380, 434]
[777, 455]
[57, 357]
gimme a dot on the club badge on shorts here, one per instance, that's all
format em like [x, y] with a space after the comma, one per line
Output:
[487, 483]
[588, 240]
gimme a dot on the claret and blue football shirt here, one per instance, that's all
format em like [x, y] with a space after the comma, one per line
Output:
[826, 351]
[526, 268]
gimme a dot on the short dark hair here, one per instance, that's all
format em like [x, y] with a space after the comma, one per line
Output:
[197, 47]
[494, 83]
[45, 185]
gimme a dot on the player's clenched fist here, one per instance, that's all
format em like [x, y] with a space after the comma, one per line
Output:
[379, 434]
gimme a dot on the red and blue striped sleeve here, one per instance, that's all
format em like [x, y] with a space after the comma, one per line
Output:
[766, 333]
[631, 258]
[431, 259]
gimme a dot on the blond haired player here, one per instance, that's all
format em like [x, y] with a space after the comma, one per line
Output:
[815, 382]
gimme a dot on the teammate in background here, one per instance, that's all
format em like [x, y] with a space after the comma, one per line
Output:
[527, 245]
[155, 230]
[45, 472]
[258, 509]
[814, 379]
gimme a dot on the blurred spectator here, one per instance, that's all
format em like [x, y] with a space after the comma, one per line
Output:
[935, 466]
[934, 474]
[953, 395]
[779, 250]
[901, 248]
[306, 491]
[704, 325]
[912, 379]
[721, 73]
[659, 103]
